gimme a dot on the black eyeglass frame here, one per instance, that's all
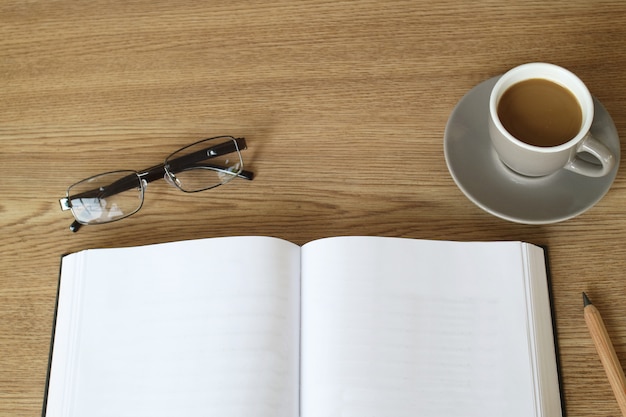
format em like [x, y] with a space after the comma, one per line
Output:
[167, 169]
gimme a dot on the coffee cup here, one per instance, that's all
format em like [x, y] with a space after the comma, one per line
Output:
[540, 118]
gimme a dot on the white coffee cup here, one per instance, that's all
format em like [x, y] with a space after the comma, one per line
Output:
[576, 155]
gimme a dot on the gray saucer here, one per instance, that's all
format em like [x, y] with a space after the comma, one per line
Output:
[485, 180]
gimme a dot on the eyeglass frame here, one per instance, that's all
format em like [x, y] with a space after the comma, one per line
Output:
[166, 170]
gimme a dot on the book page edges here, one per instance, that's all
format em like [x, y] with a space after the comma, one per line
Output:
[542, 332]
[54, 321]
[56, 387]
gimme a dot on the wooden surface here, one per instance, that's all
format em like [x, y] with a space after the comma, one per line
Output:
[343, 104]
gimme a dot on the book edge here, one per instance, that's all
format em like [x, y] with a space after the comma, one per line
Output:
[554, 328]
[533, 259]
[53, 331]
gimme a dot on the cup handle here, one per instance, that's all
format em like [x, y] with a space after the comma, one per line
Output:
[593, 147]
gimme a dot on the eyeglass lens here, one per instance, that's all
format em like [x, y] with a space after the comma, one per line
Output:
[106, 197]
[214, 162]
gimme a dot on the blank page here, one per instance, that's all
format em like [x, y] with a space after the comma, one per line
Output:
[194, 328]
[399, 327]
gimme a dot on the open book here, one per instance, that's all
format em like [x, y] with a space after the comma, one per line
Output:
[345, 326]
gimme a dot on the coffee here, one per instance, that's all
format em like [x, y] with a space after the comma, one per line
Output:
[540, 112]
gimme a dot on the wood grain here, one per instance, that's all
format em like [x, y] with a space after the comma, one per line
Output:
[343, 105]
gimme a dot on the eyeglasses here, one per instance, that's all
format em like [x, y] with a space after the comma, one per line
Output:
[112, 196]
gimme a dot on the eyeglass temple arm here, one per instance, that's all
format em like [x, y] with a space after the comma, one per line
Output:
[75, 226]
[178, 164]
[149, 175]
[122, 184]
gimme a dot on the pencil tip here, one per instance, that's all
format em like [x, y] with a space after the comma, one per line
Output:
[586, 300]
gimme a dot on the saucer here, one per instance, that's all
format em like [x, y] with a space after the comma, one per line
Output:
[488, 183]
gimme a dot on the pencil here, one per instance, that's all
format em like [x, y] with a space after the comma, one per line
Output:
[606, 351]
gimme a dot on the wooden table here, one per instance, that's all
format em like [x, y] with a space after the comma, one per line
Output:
[343, 105]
